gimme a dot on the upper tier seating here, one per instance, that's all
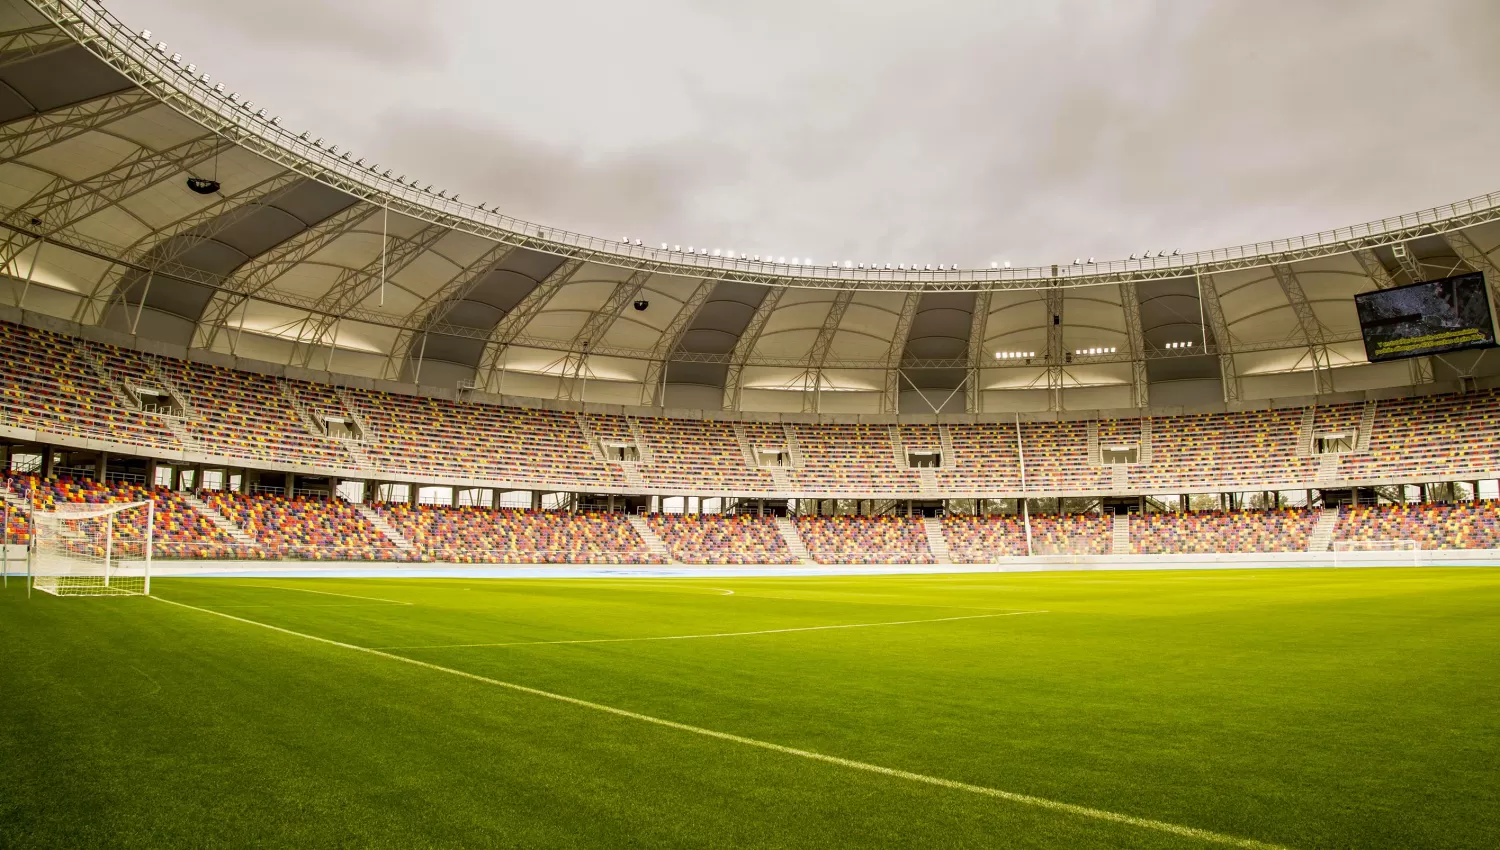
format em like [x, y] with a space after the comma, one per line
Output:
[540, 448]
[982, 539]
[476, 535]
[1209, 532]
[180, 531]
[717, 539]
[48, 383]
[305, 528]
[1466, 525]
[1254, 449]
[865, 539]
[693, 454]
[1440, 438]
[852, 459]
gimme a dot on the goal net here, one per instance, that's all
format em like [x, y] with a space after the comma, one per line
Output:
[93, 549]
[1365, 551]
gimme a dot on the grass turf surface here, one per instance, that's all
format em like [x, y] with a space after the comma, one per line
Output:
[1302, 708]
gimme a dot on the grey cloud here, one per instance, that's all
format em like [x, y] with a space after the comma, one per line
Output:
[952, 131]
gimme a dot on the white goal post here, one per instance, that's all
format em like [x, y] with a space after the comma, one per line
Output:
[93, 549]
[1364, 551]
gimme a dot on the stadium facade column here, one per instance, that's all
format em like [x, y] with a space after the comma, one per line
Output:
[49, 462]
[536, 500]
[101, 467]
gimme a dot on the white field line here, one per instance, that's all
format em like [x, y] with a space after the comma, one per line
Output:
[715, 635]
[1009, 796]
[324, 593]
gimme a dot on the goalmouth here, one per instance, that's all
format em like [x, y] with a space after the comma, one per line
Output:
[1352, 552]
[92, 549]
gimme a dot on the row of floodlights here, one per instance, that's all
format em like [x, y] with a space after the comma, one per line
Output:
[1083, 351]
[249, 106]
[1014, 355]
[1179, 345]
[799, 261]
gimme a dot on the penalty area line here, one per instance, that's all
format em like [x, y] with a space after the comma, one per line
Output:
[936, 781]
[714, 635]
[323, 593]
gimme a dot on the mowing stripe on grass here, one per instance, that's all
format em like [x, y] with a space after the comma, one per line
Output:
[715, 635]
[324, 593]
[1009, 796]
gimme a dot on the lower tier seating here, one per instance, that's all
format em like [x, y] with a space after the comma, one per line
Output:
[1215, 532]
[716, 539]
[474, 535]
[982, 539]
[305, 528]
[1071, 534]
[180, 531]
[1466, 525]
[865, 539]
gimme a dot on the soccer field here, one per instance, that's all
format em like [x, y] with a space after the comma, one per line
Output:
[1251, 708]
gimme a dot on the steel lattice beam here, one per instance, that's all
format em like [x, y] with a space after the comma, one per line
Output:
[35, 132]
[205, 223]
[817, 356]
[1139, 382]
[1213, 313]
[671, 335]
[891, 398]
[979, 323]
[428, 317]
[63, 202]
[353, 286]
[598, 324]
[20, 45]
[507, 331]
[249, 280]
[1312, 328]
[1055, 353]
[744, 347]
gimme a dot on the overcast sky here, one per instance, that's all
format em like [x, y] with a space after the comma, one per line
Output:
[941, 131]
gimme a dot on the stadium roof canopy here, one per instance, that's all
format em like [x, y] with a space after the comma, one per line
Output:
[308, 256]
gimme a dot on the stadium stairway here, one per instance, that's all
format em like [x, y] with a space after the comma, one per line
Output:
[793, 540]
[1120, 535]
[1322, 534]
[218, 520]
[936, 541]
[653, 541]
[400, 540]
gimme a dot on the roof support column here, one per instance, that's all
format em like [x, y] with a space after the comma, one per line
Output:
[1055, 353]
[597, 325]
[745, 346]
[1139, 384]
[510, 326]
[890, 400]
[1213, 314]
[979, 322]
[1312, 329]
[654, 387]
[812, 399]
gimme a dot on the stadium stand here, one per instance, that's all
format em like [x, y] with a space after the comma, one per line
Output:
[851, 459]
[483, 535]
[982, 539]
[180, 530]
[1070, 534]
[1465, 525]
[718, 539]
[72, 388]
[1210, 532]
[305, 528]
[865, 539]
[1254, 449]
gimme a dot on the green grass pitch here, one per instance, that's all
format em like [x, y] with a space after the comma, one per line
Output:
[1293, 708]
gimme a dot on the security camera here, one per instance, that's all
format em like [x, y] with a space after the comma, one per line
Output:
[203, 185]
[642, 304]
